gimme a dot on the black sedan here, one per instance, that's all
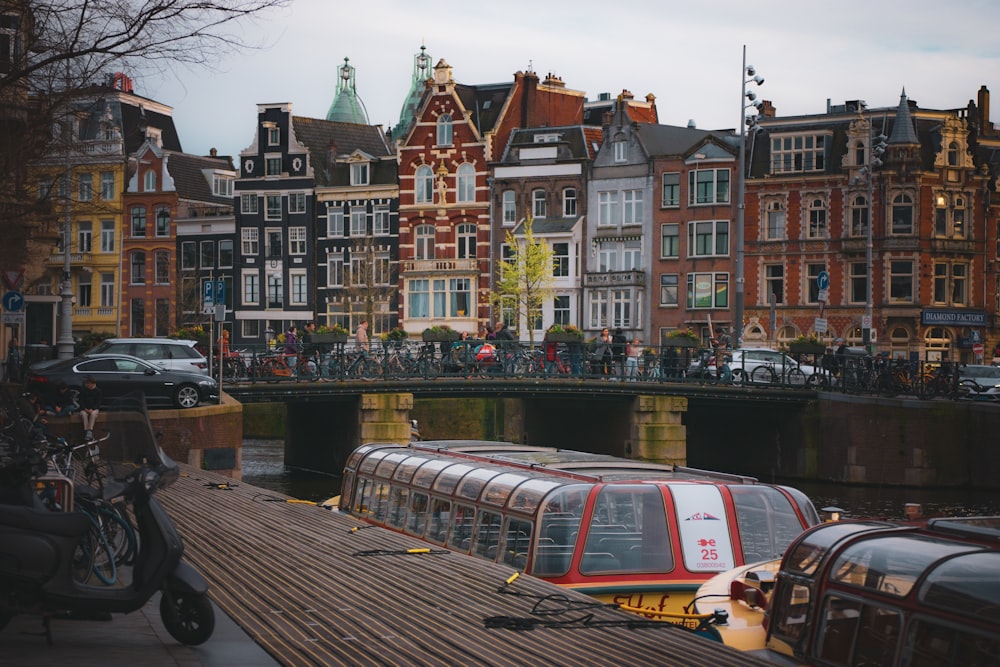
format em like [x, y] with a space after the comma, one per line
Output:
[120, 374]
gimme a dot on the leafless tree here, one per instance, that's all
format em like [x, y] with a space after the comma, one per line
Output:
[371, 287]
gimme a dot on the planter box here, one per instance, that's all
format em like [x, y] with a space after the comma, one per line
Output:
[439, 336]
[330, 338]
[807, 348]
[680, 341]
[563, 338]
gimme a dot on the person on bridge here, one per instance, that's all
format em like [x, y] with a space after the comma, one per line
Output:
[292, 341]
[361, 337]
[90, 406]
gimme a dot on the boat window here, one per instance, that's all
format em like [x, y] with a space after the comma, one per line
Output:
[890, 564]
[388, 464]
[527, 496]
[930, 644]
[447, 481]
[397, 506]
[968, 585]
[804, 504]
[499, 488]
[437, 530]
[790, 609]
[406, 469]
[857, 633]
[416, 516]
[517, 537]
[380, 501]
[461, 528]
[357, 455]
[767, 521]
[487, 535]
[428, 471]
[474, 482]
[367, 466]
[362, 495]
[704, 527]
[345, 490]
[627, 531]
[807, 554]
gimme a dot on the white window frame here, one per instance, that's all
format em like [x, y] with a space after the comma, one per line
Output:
[902, 276]
[445, 131]
[675, 235]
[222, 185]
[298, 287]
[149, 181]
[633, 207]
[107, 290]
[673, 187]
[107, 236]
[569, 202]
[296, 240]
[296, 202]
[360, 173]
[775, 223]
[107, 185]
[359, 222]
[704, 186]
[84, 236]
[423, 241]
[607, 208]
[250, 280]
[382, 220]
[272, 212]
[272, 165]
[621, 150]
[798, 153]
[466, 180]
[335, 270]
[423, 185]
[85, 186]
[538, 203]
[249, 203]
[335, 221]
[716, 231]
[817, 218]
[250, 241]
[509, 206]
[669, 290]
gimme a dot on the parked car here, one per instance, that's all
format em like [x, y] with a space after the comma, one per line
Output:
[979, 381]
[120, 374]
[167, 353]
[759, 365]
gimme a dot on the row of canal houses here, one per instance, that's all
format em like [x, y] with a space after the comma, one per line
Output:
[327, 219]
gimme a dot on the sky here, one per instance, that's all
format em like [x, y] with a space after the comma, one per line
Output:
[688, 54]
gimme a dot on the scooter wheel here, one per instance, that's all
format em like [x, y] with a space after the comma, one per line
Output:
[188, 617]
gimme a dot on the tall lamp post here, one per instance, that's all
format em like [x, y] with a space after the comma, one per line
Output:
[877, 148]
[746, 71]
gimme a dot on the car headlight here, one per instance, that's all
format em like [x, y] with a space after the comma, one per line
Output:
[207, 383]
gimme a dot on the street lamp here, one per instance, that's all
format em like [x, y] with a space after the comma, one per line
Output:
[877, 148]
[746, 71]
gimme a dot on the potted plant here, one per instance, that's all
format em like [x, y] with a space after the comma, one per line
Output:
[334, 334]
[195, 333]
[439, 333]
[558, 333]
[682, 338]
[807, 345]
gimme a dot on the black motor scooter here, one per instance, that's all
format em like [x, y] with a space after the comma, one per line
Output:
[40, 550]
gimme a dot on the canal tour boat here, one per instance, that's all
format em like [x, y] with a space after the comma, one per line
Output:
[641, 535]
[912, 594]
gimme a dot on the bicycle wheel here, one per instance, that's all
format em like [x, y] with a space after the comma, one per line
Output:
[886, 385]
[762, 375]
[104, 567]
[795, 377]
[428, 367]
[307, 370]
[818, 381]
[119, 533]
[368, 369]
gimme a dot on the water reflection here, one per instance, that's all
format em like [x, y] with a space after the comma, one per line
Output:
[263, 466]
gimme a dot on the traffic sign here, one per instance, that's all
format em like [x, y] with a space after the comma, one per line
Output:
[866, 321]
[978, 349]
[823, 280]
[208, 290]
[13, 301]
[220, 292]
[819, 325]
[823, 294]
[14, 319]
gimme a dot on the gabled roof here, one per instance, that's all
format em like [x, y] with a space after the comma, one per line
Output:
[328, 139]
[188, 172]
[548, 226]
[670, 139]
[485, 101]
[573, 142]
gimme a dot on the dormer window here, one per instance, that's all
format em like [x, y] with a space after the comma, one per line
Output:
[549, 138]
[359, 173]
[444, 130]
[272, 166]
[149, 181]
[621, 150]
[953, 154]
[273, 136]
[222, 186]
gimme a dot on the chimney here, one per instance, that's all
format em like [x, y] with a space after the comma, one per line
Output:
[984, 108]
[213, 152]
[554, 81]
[768, 110]
[528, 99]
[627, 94]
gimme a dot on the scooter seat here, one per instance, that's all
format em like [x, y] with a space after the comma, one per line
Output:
[67, 524]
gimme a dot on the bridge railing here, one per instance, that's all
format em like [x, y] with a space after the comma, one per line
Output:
[471, 358]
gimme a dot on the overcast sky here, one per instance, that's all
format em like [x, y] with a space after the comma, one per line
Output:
[688, 54]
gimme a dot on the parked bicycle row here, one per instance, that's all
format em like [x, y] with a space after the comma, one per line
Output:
[760, 367]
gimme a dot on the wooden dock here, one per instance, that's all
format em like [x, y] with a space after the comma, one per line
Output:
[294, 577]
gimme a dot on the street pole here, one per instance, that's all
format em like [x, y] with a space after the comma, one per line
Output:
[737, 341]
[65, 346]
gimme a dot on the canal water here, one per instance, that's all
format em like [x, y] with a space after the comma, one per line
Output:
[263, 466]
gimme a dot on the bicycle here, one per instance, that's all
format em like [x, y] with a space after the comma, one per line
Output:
[234, 367]
[766, 374]
[356, 364]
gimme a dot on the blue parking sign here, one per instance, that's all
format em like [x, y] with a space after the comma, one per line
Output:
[207, 287]
[220, 292]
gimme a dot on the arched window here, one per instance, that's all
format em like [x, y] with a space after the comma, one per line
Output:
[902, 214]
[817, 219]
[424, 183]
[953, 154]
[899, 342]
[787, 334]
[465, 237]
[466, 182]
[958, 218]
[444, 130]
[859, 216]
[509, 208]
[774, 228]
[423, 240]
[939, 343]
[859, 153]
[149, 181]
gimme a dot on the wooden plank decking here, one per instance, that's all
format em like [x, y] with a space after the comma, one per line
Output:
[289, 575]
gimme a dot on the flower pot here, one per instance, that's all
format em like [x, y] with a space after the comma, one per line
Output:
[439, 336]
[681, 341]
[806, 348]
[329, 338]
[563, 338]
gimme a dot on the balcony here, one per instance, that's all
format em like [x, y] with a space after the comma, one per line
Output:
[853, 245]
[901, 243]
[615, 279]
[75, 258]
[953, 245]
[446, 266]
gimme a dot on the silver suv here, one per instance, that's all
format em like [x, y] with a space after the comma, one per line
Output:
[167, 353]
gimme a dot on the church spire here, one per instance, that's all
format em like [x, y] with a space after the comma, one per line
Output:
[347, 107]
[902, 129]
[422, 71]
